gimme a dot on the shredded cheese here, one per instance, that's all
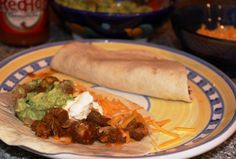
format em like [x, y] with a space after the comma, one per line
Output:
[184, 129]
[129, 119]
[169, 142]
[79, 88]
[164, 131]
[111, 107]
[163, 122]
[126, 135]
[115, 120]
[64, 140]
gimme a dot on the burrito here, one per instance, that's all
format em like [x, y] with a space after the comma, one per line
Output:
[134, 71]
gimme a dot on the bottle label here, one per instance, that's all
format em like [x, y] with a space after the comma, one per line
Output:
[22, 15]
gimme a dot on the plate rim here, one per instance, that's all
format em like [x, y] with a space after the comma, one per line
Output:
[228, 130]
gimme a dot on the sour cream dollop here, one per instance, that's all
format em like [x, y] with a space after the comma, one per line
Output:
[81, 106]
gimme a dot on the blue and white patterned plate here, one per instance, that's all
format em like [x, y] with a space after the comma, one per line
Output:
[212, 112]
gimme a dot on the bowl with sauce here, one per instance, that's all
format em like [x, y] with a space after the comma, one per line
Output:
[209, 31]
[120, 19]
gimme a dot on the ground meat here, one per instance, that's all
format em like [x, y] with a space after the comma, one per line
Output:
[67, 86]
[20, 92]
[87, 131]
[55, 127]
[54, 119]
[83, 132]
[34, 125]
[41, 129]
[47, 82]
[137, 130]
[111, 135]
[96, 117]
[67, 124]
[51, 123]
[59, 114]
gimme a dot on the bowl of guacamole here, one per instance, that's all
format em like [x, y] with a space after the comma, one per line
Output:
[120, 19]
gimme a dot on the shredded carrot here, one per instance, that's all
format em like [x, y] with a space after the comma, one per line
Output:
[185, 129]
[129, 119]
[79, 88]
[111, 107]
[42, 74]
[107, 108]
[139, 117]
[169, 142]
[56, 137]
[115, 120]
[164, 131]
[126, 135]
[119, 104]
[95, 95]
[136, 106]
[163, 122]
[148, 119]
[66, 140]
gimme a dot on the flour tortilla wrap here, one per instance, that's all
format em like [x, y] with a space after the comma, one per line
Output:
[13, 132]
[127, 70]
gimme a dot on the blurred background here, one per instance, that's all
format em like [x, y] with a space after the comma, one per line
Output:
[205, 28]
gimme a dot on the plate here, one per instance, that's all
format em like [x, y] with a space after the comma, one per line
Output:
[212, 112]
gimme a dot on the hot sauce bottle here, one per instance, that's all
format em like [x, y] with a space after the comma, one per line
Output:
[23, 22]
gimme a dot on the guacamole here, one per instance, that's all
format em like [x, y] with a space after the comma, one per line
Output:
[34, 99]
[108, 6]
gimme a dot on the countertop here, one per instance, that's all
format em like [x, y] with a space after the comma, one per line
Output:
[227, 150]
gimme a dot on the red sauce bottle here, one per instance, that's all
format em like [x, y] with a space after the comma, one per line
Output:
[23, 22]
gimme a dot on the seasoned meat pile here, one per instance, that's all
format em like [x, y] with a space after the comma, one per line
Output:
[95, 128]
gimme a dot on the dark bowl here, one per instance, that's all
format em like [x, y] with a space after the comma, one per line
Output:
[220, 52]
[90, 24]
